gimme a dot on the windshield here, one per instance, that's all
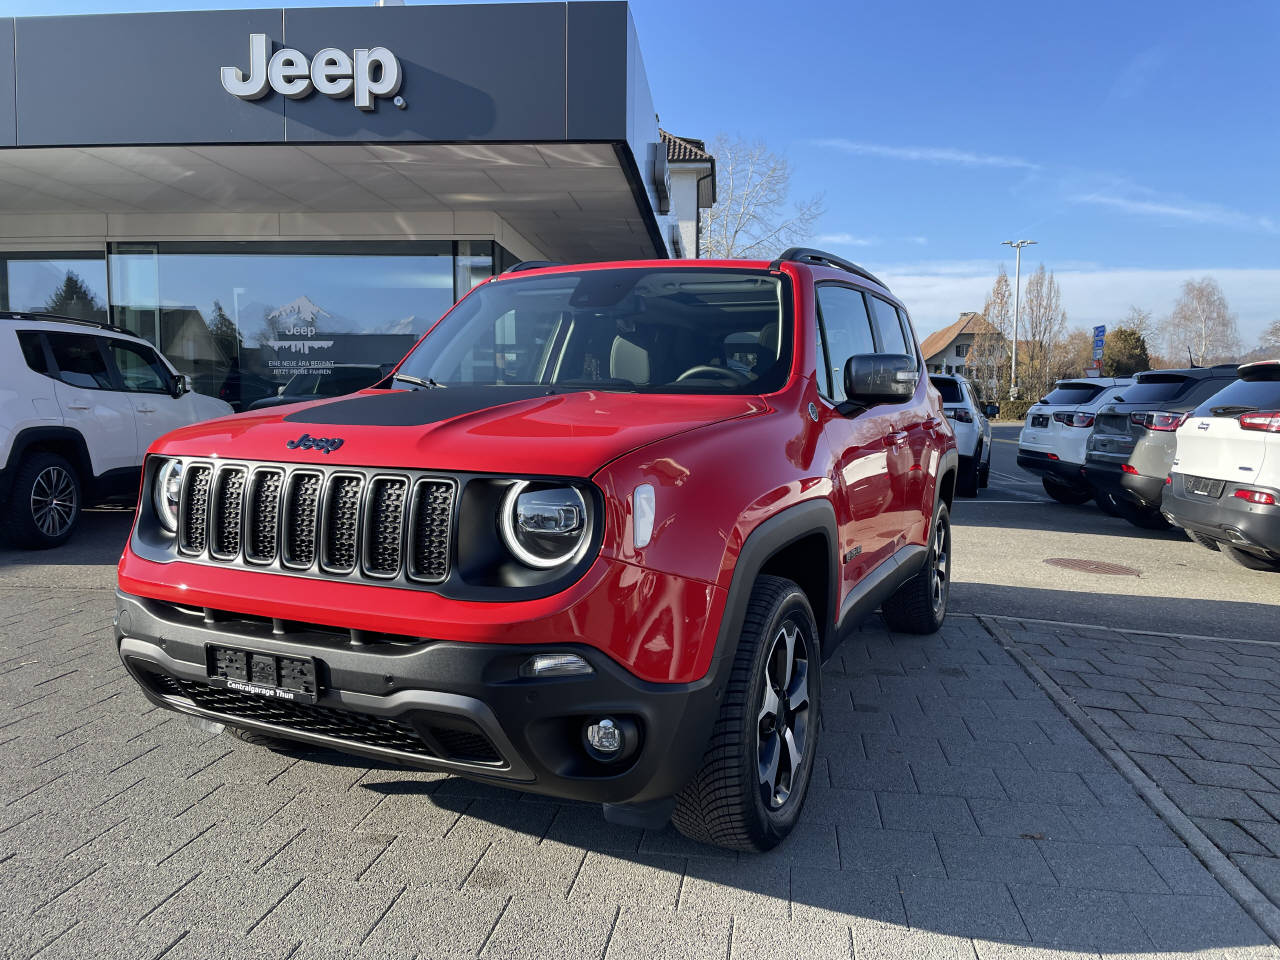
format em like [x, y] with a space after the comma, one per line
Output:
[683, 330]
[333, 382]
[1072, 394]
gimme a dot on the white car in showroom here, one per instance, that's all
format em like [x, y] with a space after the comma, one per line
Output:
[1224, 489]
[972, 429]
[80, 403]
[1053, 439]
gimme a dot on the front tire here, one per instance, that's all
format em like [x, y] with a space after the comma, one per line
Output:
[44, 505]
[920, 604]
[754, 778]
[1065, 493]
[1108, 504]
[1251, 561]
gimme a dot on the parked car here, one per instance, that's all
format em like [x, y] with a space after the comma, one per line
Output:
[1053, 438]
[80, 402]
[607, 571]
[239, 388]
[1130, 452]
[335, 381]
[972, 429]
[1224, 490]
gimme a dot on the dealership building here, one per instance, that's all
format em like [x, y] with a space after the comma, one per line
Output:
[266, 193]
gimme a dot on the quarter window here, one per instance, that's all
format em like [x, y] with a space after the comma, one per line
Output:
[33, 350]
[141, 370]
[846, 331]
[80, 361]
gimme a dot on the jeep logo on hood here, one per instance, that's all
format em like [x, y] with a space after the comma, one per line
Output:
[308, 442]
[363, 74]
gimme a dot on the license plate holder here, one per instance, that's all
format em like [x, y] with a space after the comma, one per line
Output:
[1204, 487]
[1039, 420]
[263, 674]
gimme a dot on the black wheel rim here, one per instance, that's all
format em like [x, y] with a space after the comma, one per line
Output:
[783, 722]
[53, 501]
[940, 565]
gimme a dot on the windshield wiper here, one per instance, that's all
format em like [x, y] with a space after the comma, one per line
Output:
[429, 383]
[1231, 410]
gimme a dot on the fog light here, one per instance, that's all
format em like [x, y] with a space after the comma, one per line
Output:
[604, 736]
[555, 665]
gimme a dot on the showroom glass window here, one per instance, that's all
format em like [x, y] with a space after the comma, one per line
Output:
[243, 319]
[71, 284]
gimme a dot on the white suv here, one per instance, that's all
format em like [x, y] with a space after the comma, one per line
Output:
[972, 429]
[80, 403]
[1224, 489]
[1053, 439]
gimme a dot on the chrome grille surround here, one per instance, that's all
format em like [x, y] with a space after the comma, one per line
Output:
[345, 523]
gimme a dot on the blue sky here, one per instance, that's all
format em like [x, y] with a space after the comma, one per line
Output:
[1138, 142]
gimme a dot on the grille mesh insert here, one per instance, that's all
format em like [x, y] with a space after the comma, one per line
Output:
[342, 523]
[300, 519]
[264, 505]
[386, 526]
[228, 508]
[195, 511]
[429, 543]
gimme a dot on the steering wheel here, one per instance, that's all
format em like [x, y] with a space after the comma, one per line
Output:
[705, 369]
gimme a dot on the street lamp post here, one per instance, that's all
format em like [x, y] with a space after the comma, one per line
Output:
[1017, 308]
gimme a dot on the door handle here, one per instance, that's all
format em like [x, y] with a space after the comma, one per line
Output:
[145, 409]
[897, 439]
[78, 406]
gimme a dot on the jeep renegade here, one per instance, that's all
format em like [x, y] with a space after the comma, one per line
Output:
[592, 538]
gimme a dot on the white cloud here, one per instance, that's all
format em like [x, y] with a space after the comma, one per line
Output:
[1191, 212]
[949, 155]
[918, 241]
[938, 293]
[845, 240]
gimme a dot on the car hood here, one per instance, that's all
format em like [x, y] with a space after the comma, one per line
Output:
[516, 430]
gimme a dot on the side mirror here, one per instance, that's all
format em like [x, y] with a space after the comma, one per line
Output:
[871, 378]
[178, 385]
[992, 410]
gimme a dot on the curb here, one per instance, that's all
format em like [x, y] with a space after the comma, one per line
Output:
[1233, 880]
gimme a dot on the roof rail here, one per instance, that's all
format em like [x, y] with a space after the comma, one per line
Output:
[533, 265]
[822, 258]
[59, 318]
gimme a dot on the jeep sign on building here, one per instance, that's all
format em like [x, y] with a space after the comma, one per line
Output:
[273, 194]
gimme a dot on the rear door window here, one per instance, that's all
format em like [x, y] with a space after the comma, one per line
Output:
[80, 360]
[846, 331]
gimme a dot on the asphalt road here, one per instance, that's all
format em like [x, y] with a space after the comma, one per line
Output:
[1003, 538]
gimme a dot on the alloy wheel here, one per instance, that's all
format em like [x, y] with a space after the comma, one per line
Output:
[940, 561]
[53, 501]
[783, 722]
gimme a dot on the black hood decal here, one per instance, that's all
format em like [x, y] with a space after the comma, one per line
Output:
[412, 408]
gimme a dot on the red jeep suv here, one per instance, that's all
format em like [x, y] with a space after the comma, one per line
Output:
[592, 538]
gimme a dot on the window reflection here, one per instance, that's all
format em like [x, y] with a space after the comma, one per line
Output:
[244, 319]
[70, 284]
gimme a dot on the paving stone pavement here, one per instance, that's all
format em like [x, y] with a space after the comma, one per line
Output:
[1200, 717]
[956, 812]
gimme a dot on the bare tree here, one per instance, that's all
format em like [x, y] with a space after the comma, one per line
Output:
[988, 358]
[1140, 321]
[753, 215]
[1044, 324]
[1271, 338]
[1071, 355]
[1202, 324]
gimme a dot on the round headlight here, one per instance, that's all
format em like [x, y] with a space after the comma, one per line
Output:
[165, 493]
[543, 526]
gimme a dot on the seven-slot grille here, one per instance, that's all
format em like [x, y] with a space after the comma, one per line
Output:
[340, 522]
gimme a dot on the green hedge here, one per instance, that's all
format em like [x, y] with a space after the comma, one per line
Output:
[1016, 409]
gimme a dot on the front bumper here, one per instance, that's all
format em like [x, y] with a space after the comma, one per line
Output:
[1250, 526]
[1136, 488]
[459, 707]
[1040, 464]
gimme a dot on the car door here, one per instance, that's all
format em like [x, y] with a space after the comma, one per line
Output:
[914, 427]
[145, 378]
[857, 439]
[92, 401]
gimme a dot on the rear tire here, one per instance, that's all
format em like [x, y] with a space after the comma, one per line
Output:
[1207, 542]
[1065, 493]
[1251, 561]
[44, 504]
[920, 604]
[1146, 518]
[1107, 504]
[754, 778]
[967, 482]
[984, 472]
